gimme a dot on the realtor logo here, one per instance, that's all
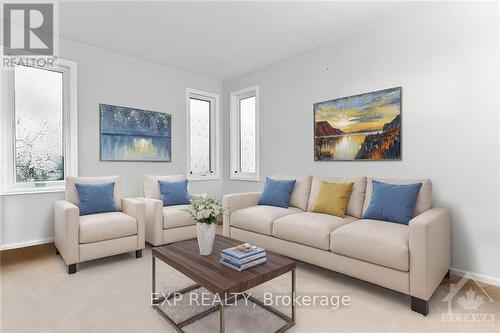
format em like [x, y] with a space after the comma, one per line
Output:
[28, 29]
[464, 305]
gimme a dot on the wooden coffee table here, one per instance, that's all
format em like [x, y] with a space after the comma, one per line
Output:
[220, 280]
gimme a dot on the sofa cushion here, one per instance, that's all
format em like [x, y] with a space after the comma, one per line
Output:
[312, 229]
[174, 193]
[104, 226]
[276, 192]
[96, 198]
[424, 199]
[72, 194]
[176, 216]
[301, 191]
[152, 188]
[260, 218]
[373, 241]
[355, 204]
[332, 198]
[392, 203]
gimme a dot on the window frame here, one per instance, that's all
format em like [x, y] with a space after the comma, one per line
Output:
[214, 135]
[8, 184]
[235, 129]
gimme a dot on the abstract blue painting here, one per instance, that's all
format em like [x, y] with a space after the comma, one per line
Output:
[129, 134]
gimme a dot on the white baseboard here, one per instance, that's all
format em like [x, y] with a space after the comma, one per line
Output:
[479, 277]
[26, 244]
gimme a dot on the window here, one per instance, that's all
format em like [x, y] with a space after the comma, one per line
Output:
[245, 134]
[38, 117]
[39, 143]
[203, 138]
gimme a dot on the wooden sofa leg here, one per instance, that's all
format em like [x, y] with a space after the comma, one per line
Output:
[72, 269]
[57, 252]
[447, 276]
[138, 253]
[419, 305]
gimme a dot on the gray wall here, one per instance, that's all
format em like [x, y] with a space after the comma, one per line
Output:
[446, 59]
[108, 77]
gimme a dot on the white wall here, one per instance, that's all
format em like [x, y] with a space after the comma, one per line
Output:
[112, 78]
[446, 59]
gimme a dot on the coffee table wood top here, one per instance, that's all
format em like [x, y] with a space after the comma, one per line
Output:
[185, 257]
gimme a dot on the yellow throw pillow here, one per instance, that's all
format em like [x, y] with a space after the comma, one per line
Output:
[332, 198]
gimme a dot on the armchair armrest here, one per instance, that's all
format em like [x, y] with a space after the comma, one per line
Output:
[67, 227]
[154, 220]
[136, 209]
[430, 251]
[234, 202]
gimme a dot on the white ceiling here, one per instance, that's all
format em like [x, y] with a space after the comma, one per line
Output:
[220, 39]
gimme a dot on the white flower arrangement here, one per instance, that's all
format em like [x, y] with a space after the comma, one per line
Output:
[205, 209]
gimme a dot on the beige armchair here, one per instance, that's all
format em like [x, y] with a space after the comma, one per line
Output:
[165, 225]
[82, 238]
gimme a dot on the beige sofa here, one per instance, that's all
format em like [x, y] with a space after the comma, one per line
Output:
[411, 259]
[165, 225]
[82, 238]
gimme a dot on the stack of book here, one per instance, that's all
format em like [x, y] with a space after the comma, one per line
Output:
[243, 257]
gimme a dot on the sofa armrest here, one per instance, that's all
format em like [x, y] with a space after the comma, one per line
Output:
[67, 227]
[430, 251]
[136, 209]
[154, 220]
[233, 202]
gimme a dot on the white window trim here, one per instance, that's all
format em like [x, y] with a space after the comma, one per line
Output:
[214, 131]
[235, 97]
[70, 132]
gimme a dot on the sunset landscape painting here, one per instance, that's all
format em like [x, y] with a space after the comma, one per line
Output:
[360, 127]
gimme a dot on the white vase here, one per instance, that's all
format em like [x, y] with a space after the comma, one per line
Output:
[206, 235]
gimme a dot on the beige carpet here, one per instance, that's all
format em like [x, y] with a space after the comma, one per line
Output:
[112, 295]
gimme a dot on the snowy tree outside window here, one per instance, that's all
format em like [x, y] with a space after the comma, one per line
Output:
[38, 125]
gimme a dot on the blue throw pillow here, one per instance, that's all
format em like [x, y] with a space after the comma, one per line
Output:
[393, 203]
[276, 192]
[96, 198]
[174, 193]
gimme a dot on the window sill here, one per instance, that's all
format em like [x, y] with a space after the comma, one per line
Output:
[245, 179]
[24, 191]
[202, 178]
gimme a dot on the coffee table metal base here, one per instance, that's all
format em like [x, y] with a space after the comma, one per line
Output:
[290, 321]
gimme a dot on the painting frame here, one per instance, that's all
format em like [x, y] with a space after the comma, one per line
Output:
[103, 159]
[398, 159]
